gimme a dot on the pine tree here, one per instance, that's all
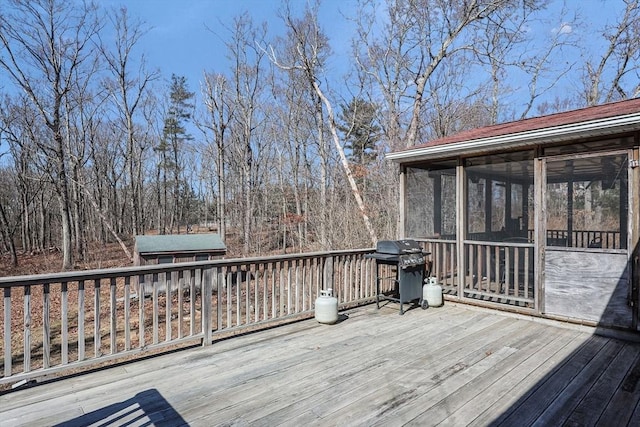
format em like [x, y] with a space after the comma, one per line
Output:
[170, 150]
[361, 133]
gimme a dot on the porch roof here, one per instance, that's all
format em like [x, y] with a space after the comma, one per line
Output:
[598, 121]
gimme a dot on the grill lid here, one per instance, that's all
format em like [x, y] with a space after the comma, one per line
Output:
[398, 247]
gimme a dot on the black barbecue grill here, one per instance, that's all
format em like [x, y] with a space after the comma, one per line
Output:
[409, 261]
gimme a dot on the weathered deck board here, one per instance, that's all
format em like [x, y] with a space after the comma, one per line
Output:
[351, 386]
[501, 385]
[626, 398]
[406, 385]
[453, 366]
[362, 378]
[446, 405]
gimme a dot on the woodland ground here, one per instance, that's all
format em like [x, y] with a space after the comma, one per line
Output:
[99, 256]
[110, 255]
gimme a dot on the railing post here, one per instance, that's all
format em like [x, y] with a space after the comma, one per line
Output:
[217, 274]
[328, 273]
[461, 230]
[207, 285]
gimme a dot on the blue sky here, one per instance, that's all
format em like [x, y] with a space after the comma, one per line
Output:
[185, 37]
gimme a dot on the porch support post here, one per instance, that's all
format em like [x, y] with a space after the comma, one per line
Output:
[633, 234]
[437, 206]
[570, 213]
[540, 230]
[461, 229]
[525, 208]
[403, 202]
[507, 203]
[488, 208]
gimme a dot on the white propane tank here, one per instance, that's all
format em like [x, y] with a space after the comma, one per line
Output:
[432, 292]
[326, 307]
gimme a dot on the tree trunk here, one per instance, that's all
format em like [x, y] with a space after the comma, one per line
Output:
[8, 236]
[324, 241]
[345, 164]
[221, 203]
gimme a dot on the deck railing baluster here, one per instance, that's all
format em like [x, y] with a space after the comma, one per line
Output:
[274, 303]
[156, 305]
[113, 320]
[304, 283]
[167, 286]
[228, 296]
[96, 318]
[192, 302]
[64, 345]
[239, 286]
[508, 268]
[46, 325]
[246, 281]
[526, 269]
[217, 276]
[7, 333]
[256, 293]
[208, 275]
[179, 276]
[27, 329]
[127, 314]
[141, 307]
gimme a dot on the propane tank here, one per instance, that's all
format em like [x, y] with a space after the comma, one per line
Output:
[326, 307]
[432, 292]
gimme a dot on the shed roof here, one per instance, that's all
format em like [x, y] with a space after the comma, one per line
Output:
[601, 120]
[210, 242]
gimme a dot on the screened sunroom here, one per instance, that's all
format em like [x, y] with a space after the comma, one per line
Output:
[538, 216]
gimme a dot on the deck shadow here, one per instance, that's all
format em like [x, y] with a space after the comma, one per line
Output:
[597, 384]
[146, 408]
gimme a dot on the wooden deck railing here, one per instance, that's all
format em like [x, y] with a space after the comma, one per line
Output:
[444, 262]
[586, 239]
[500, 272]
[59, 322]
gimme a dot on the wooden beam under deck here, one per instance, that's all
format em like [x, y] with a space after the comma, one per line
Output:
[454, 365]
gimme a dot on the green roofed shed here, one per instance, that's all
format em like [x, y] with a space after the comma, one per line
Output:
[171, 248]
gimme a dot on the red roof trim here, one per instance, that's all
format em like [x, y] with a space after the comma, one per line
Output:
[604, 111]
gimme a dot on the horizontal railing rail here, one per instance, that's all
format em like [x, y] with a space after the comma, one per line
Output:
[63, 321]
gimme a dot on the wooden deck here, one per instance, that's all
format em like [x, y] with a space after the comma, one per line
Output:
[453, 366]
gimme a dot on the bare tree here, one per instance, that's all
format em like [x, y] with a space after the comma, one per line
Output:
[402, 55]
[128, 88]
[20, 128]
[504, 46]
[311, 47]
[7, 226]
[247, 88]
[220, 109]
[295, 129]
[615, 74]
[44, 48]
